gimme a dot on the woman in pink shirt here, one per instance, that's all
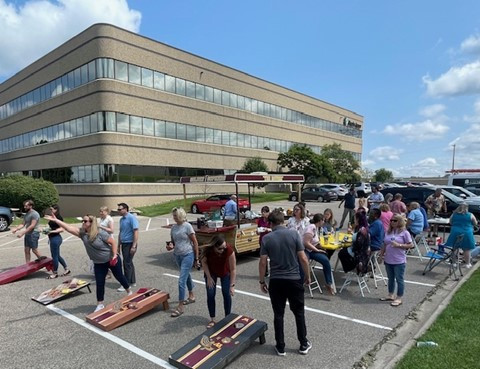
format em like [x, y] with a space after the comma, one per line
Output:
[385, 216]
[397, 241]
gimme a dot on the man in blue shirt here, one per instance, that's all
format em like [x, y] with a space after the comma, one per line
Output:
[230, 213]
[349, 208]
[128, 242]
[376, 230]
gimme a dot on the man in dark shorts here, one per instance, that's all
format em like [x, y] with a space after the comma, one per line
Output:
[31, 232]
[285, 249]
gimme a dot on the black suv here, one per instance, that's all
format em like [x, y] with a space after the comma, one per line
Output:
[420, 194]
[6, 218]
[315, 193]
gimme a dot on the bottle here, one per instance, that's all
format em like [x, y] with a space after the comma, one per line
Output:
[426, 344]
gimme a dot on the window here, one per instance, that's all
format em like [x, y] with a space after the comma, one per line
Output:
[122, 123]
[135, 125]
[160, 128]
[121, 72]
[159, 81]
[77, 78]
[191, 133]
[148, 127]
[208, 94]
[200, 91]
[83, 75]
[170, 83]
[181, 131]
[200, 134]
[91, 71]
[217, 96]
[147, 77]
[170, 130]
[180, 86]
[190, 89]
[134, 74]
[209, 135]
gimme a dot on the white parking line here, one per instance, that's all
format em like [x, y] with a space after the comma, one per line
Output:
[111, 337]
[343, 317]
[148, 224]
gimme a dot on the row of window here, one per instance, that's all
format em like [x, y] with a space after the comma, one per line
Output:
[115, 69]
[119, 173]
[118, 122]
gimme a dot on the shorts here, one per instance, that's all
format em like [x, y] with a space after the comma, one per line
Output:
[31, 240]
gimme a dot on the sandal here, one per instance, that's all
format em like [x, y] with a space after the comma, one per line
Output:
[387, 299]
[52, 276]
[176, 313]
[189, 301]
[396, 303]
[211, 324]
[66, 272]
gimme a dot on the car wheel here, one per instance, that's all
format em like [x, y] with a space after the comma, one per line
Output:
[195, 209]
[3, 223]
[293, 198]
[320, 199]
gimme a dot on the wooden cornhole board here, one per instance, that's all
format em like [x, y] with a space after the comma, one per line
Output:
[63, 290]
[128, 308]
[219, 345]
[21, 271]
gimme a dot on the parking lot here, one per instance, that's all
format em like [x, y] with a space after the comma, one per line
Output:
[342, 328]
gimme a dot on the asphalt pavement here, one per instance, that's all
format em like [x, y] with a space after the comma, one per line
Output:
[346, 330]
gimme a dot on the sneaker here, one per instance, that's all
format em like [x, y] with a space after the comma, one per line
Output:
[280, 352]
[305, 348]
[133, 285]
[130, 293]
[99, 307]
[468, 266]
[121, 289]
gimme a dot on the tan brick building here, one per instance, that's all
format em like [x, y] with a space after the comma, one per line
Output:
[112, 116]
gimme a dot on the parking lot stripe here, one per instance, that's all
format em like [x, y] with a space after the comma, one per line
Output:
[333, 315]
[111, 337]
[148, 224]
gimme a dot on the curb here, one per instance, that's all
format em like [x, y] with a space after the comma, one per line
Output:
[387, 353]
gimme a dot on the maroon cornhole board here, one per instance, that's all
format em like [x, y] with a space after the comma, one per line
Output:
[21, 271]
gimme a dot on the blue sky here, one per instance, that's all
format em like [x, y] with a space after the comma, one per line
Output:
[410, 68]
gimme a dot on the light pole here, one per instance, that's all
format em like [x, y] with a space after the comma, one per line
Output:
[453, 158]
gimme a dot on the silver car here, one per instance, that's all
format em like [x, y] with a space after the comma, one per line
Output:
[340, 190]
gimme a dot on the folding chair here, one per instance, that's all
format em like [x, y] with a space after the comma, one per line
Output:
[376, 270]
[314, 285]
[444, 253]
[422, 241]
[454, 264]
[362, 283]
[416, 249]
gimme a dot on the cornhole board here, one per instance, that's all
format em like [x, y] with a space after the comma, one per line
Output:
[21, 271]
[219, 345]
[63, 290]
[128, 308]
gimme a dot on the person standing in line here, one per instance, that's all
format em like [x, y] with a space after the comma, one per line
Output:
[435, 203]
[375, 199]
[101, 249]
[128, 241]
[349, 207]
[462, 222]
[376, 230]
[230, 211]
[385, 216]
[218, 261]
[184, 244]
[397, 206]
[106, 223]
[55, 240]
[285, 249]
[31, 232]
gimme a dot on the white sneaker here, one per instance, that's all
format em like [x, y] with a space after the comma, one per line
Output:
[468, 266]
[133, 285]
[130, 293]
[99, 307]
[121, 289]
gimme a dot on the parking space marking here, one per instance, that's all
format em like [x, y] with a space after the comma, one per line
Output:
[111, 337]
[333, 315]
[148, 224]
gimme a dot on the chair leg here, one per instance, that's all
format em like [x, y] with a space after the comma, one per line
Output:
[314, 285]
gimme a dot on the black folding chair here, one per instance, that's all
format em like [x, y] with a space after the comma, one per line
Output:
[445, 253]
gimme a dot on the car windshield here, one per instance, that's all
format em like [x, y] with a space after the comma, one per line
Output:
[452, 197]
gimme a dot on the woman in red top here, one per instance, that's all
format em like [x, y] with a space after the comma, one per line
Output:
[218, 261]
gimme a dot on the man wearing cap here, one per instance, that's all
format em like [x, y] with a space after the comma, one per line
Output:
[230, 213]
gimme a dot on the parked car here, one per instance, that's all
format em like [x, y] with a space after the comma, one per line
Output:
[6, 218]
[316, 193]
[217, 202]
[460, 192]
[340, 190]
[363, 189]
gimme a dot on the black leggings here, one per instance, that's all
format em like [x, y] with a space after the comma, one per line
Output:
[101, 271]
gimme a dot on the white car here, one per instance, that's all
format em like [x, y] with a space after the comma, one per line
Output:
[363, 189]
[340, 190]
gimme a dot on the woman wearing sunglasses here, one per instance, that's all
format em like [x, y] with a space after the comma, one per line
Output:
[101, 249]
[397, 241]
[218, 261]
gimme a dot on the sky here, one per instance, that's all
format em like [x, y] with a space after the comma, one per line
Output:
[410, 68]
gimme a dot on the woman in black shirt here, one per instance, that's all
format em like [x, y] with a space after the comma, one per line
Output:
[55, 240]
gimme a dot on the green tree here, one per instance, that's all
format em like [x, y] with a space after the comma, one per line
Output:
[302, 160]
[14, 190]
[383, 175]
[254, 164]
[366, 174]
[344, 166]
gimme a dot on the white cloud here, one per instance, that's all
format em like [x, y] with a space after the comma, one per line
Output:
[427, 167]
[383, 153]
[366, 163]
[37, 27]
[475, 118]
[430, 129]
[463, 80]
[432, 110]
[471, 45]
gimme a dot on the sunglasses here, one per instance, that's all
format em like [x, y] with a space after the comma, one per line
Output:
[119, 209]
[394, 220]
[85, 221]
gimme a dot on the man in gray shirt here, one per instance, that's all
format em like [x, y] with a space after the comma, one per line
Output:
[285, 249]
[30, 222]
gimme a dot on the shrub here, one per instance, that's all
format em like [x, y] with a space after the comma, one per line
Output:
[14, 190]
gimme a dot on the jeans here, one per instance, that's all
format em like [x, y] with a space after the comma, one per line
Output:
[101, 271]
[55, 242]
[350, 213]
[185, 263]
[128, 266]
[395, 272]
[322, 258]
[211, 292]
[280, 291]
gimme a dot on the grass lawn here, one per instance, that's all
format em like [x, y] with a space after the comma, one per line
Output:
[456, 331]
[166, 207]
